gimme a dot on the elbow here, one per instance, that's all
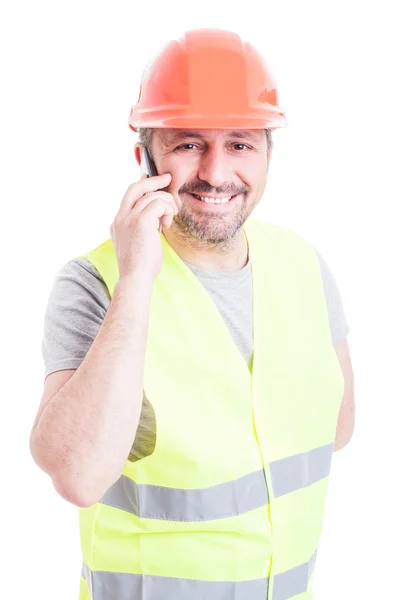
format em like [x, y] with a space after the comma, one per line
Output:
[343, 438]
[340, 444]
[77, 495]
[42, 455]
[65, 485]
[80, 483]
[80, 489]
[346, 423]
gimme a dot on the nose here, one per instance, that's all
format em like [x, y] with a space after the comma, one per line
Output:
[215, 167]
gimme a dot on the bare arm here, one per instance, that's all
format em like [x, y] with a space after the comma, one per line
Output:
[83, 436]
[346, 421]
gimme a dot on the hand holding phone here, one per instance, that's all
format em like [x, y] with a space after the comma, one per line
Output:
[134, 231]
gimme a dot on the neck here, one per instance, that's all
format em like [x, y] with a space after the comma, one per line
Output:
[229, 256]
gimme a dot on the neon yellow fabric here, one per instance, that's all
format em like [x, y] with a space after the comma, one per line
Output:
[209, 406]
[84, 593]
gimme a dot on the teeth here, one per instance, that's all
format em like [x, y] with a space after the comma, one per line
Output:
[214, 200]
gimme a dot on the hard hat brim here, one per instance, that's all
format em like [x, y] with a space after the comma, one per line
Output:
[272, 120]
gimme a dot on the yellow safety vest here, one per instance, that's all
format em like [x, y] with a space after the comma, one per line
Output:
[230, 504]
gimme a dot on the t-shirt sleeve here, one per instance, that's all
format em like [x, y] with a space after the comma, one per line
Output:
[75, 310]
[337, 319]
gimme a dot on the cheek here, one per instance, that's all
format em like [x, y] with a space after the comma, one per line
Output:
[253, 173]
[180, 175]
[257, 179]
[181, 179]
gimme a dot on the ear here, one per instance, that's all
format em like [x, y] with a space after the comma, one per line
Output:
[138, 152]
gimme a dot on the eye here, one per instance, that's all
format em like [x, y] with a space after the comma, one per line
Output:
[184, 146]
[243, 145]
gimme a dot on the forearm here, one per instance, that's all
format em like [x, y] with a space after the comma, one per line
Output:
[85, 433]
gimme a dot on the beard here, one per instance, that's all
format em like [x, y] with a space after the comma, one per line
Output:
[209, 229]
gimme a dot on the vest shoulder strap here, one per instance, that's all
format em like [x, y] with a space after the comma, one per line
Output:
[104, 259]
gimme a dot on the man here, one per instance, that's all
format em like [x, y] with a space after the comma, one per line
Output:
[198, 380]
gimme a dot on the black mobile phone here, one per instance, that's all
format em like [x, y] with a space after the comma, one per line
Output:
[148, 167]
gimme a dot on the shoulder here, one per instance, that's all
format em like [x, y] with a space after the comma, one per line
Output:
[79, 279]
[103, 258]
[79, 268]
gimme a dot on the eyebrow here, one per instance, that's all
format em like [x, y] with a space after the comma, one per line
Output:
[241, 134]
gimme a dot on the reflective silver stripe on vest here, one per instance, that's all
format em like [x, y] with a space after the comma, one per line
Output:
[294, 581]
[106, 585]
[223, 500]
[173, 504]
[301, 470]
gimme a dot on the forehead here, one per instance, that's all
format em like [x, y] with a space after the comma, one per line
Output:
[169, 136]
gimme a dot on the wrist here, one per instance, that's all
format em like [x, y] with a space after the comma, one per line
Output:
[136, 280]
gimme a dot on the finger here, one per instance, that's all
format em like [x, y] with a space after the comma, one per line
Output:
[150, 197]
[139, 188]
[158, 209]
[167, 221]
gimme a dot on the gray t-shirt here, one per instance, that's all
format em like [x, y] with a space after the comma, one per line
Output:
[79, 299]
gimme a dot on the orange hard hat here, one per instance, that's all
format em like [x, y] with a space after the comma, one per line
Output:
[208, 79]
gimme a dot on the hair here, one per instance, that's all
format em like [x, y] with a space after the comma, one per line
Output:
[145, 135]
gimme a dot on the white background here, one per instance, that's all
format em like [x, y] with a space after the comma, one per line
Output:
[71, 71]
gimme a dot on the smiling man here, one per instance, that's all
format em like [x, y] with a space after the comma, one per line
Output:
[198, 379]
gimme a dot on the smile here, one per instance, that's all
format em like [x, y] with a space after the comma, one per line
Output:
[212, 200]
